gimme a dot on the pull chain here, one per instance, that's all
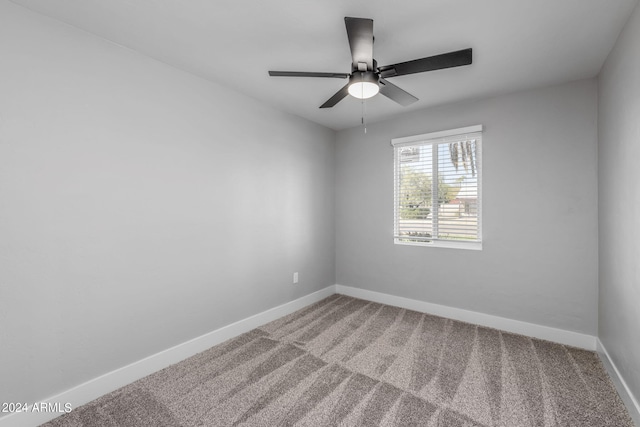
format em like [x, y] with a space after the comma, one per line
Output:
[364, 115]
[363, 120]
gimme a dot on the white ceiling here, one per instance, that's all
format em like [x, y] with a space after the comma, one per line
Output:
[517, 44]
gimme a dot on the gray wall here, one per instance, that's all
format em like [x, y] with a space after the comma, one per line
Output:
[141, 206]
[619, 200]
[539, 262]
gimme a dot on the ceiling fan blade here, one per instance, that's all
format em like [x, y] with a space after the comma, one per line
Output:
[307, 74]
[437, 62]
[360, 34]
[339, 95]
[396, 94]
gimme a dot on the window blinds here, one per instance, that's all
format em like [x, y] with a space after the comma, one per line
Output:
[437, 188]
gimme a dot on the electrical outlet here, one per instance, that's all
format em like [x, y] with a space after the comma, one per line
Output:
[295, 277]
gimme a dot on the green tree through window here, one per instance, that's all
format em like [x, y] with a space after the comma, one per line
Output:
[416, 189]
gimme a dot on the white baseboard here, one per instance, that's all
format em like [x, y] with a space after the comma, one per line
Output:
[623, 390]
[111, 381]
[90, 390]
[529, 329]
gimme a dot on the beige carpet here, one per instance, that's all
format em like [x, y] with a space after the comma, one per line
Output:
[345, 361]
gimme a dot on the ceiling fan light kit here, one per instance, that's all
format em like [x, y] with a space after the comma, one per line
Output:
[367, 79]
[363, 84]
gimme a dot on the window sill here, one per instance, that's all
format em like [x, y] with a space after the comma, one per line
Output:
[474, 246]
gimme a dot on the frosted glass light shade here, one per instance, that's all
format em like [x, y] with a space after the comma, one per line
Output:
[363, 84]
[363, 90]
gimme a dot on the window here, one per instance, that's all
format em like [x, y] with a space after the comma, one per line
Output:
[437, 179]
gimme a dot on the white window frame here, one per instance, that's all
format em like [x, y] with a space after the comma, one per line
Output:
[434, 138]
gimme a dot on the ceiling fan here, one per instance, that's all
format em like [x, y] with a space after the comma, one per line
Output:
[367, 79]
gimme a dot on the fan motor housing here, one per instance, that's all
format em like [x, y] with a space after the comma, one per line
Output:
[364, 76]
